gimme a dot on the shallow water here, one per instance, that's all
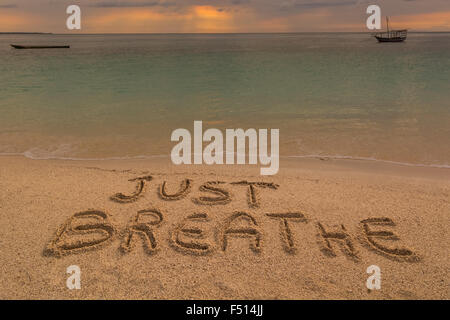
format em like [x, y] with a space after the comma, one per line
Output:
[342, 95]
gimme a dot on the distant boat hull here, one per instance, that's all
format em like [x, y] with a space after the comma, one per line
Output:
[15, 46]
[392, 36]
[395, 39]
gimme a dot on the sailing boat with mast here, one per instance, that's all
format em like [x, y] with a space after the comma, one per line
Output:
[391, 35]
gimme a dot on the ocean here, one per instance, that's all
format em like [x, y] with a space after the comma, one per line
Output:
[337, 95]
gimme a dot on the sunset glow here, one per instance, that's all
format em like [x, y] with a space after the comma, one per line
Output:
[220, 16]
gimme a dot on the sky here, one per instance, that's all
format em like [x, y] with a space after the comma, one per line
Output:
[220, 16]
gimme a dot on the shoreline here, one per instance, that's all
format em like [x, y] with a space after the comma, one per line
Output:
[366, 165]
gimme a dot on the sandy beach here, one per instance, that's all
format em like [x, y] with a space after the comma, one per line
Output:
[150, 230]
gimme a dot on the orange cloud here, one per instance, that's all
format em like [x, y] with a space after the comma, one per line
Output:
[131, 21]
[209, 19]
[210, 12]
[426, 21]
[10, 22]
[196, 19]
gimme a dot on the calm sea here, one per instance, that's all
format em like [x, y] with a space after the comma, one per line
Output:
[342, 95]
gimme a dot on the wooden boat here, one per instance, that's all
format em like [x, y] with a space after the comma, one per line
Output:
[15, 46]
[391, 35]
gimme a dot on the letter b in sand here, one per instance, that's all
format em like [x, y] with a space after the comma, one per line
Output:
[74, 281]
[374, 281]
[74, 20]
[374, 20]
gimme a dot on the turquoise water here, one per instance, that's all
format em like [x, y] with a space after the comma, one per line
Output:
[342, 95]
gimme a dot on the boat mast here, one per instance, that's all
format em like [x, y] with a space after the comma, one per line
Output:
[387, 23]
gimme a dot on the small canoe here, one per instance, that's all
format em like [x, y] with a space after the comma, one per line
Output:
[15, 46]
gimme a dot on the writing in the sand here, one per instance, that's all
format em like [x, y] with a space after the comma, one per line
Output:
[197, 233]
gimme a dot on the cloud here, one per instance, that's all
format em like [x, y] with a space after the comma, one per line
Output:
[112, 16]
[325, 4]
[199, 19]
[427, 21]
[125, 4]
[237, 2]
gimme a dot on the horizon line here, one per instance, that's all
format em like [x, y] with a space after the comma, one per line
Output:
[149, 33]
